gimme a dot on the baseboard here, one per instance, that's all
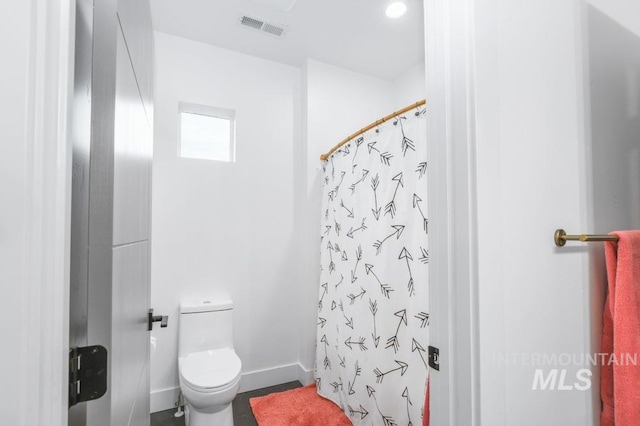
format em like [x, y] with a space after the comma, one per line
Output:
[165, 399]
[259, 379]
[305, 376]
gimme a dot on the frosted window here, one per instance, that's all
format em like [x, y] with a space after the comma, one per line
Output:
[206, 137]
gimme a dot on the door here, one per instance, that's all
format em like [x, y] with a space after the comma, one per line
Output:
[111, 204]
[132, 166]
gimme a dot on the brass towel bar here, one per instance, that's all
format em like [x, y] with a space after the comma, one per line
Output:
[560, 237]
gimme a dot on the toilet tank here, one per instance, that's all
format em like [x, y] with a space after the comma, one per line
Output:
[205, 325]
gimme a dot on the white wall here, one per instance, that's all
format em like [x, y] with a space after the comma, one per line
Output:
[515, 129]
[532, 177]
[35, 176]
[339, 102]
[410, 87]
[226, 229]
[624, 12]
[613, 92]
[250, 230]
[14, 44]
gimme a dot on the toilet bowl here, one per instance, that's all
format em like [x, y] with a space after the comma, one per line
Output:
[209, 368]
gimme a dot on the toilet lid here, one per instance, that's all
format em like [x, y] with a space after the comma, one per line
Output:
[211, 369]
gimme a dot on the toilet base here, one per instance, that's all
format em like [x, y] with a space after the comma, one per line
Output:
[223, 417]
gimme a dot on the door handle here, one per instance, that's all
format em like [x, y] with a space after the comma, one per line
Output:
[164, 320]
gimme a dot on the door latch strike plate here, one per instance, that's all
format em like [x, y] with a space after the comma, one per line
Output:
[434, 358]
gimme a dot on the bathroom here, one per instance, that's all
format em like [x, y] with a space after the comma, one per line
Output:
[515, 128]
[249, 230]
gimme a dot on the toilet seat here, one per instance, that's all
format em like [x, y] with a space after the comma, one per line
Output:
[211, 371]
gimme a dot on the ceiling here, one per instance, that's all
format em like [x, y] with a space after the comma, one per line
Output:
[352, 34]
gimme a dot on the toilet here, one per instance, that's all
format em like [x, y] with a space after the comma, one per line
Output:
[209, 368]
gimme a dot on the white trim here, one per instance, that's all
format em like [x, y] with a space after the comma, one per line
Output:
[165, 399]
[259, 379]
[212, 112]
[305, 376]
[449, 43]
[48, 166]
[595, 293]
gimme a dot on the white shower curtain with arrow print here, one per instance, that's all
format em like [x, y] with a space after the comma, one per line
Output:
[373, 309]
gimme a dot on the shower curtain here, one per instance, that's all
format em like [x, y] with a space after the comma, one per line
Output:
[373, 318]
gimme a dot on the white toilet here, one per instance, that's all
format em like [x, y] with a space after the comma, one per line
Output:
[208, 366]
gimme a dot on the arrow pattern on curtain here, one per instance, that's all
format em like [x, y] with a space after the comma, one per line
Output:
[373, 304]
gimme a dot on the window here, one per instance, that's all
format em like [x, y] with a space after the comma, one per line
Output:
[207, 133]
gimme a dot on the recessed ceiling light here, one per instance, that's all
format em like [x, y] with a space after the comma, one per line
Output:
[396, 9]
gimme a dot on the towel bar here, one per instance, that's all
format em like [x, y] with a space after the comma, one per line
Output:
[560, 237]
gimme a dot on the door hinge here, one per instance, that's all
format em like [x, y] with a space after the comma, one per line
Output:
[87, 373]
[434, 358]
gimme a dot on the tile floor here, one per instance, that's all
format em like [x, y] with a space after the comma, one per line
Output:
[242, 414]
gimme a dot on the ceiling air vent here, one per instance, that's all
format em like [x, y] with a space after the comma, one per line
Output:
[273, 29]
[277, 30]
[251, 22]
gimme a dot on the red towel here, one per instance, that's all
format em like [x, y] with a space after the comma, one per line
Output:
[620, 378]
[426, 413]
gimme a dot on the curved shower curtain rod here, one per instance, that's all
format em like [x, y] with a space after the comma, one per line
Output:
[324, 157]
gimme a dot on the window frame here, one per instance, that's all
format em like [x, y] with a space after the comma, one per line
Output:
[214, 112]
